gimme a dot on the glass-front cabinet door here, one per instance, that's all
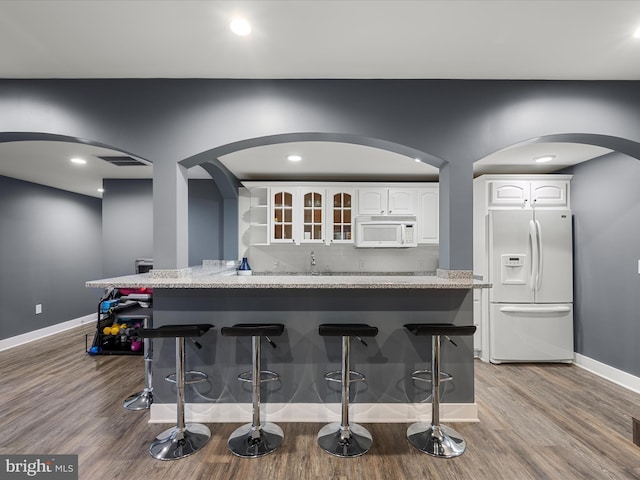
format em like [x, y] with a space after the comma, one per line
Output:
[312, 216]
[282, 215]
[341, 209]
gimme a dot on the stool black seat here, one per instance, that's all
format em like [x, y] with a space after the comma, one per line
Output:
[436, 439]
[183, 439]
[345, 439]
[255, 439]
[253, 330]
[347, 329]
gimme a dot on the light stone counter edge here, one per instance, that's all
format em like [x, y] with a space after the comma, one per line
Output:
[198, 278]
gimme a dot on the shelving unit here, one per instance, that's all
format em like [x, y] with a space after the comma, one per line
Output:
[111, 313]
[259, 216]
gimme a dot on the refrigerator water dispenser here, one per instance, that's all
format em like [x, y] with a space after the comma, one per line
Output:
[513, 271]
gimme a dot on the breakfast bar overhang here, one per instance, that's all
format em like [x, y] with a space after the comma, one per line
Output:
[301, 303]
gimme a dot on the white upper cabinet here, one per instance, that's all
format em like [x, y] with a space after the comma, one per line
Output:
[427, 214]
[550, 193]
[283, 215]
[340, 208]
[529, 193]
[298, 213]
[401, 201]
[372, 201]
[386, 201]
[313, 202]
[513, 193]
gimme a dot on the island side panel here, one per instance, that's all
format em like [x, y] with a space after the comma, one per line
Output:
[302, 357]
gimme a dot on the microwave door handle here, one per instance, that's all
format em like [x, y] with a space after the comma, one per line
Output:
[403, 233]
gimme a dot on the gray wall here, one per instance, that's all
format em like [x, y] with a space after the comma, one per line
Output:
[605, 199]
[206, 222]
[127, 223]
[50, 245]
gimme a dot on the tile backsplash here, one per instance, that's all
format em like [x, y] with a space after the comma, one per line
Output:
[342, 258]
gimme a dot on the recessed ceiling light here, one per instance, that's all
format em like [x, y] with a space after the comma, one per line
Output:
[636, 34]
[546, 158]
[78, 160]
[240, 27]
[294, 158]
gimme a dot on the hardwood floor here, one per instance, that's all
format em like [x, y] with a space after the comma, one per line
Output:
[537, 422]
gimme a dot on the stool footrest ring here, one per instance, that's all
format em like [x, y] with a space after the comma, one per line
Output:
[336, 376]
[425, 376]
[265, 376]
[190, 377]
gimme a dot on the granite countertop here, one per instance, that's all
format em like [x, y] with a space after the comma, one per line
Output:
[202, 278]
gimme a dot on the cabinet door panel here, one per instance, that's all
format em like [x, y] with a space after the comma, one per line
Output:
[509, 193]
[372, 201]
[282, 216]
[341, 203]
[428, 215]
[401, 201]
[313, 216]
[549, 193]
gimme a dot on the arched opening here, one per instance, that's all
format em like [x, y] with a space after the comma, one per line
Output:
[126, 231]
[605, 208]
[218, 162]
[568, 149]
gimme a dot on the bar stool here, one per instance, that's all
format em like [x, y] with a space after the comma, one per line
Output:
[255, 439]
[435, 439]
[183, 439]
[345, 439]
[143, 400]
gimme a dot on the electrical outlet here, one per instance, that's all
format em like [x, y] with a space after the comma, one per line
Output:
[38, 309]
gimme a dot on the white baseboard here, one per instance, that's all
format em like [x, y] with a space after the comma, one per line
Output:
[612, 374]
[314, 412]
[11, 342]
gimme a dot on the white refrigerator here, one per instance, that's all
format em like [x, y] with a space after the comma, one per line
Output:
[531, 302]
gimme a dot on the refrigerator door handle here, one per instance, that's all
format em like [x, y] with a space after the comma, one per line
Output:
[539, 245]
[558, 309]
[533, 241]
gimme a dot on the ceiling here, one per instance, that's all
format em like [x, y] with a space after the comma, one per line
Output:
[489, 39]
[503, 39]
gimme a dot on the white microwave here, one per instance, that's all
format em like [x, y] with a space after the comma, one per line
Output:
[386, 232]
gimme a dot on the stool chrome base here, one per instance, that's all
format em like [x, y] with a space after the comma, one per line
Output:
[441, 441]
[176, 443]
[251, 442]
[353, 441]
[139, 401]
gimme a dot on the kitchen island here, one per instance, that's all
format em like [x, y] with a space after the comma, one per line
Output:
[301, 303]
